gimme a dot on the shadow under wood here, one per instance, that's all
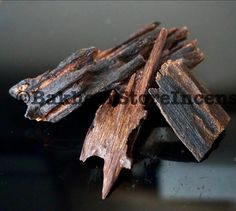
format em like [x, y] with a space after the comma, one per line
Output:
[215, 145]
[153, 120]
[162, 143]
[157, 140]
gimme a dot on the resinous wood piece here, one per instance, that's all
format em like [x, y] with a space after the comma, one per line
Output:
[87, 72]
[82, 75]
[112, 126]
[196, 124]
[115, 128]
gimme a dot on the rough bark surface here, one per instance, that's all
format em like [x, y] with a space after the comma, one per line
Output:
[129, 68]
[82, 75]
[109, 134]
[196, 124]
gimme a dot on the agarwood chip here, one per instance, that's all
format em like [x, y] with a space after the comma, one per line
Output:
[82, 75]
[112, 126]
[196, 124]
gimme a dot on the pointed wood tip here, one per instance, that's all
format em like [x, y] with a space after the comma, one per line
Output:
[111, 171]
[106, 189]
[109, 178]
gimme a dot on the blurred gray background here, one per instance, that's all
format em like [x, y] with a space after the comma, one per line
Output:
[37, 35]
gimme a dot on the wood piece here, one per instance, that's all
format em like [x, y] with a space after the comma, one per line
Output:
[196, 124]
[188, 52]
[175, 49]
[116, 126]
[110, 131]
[66, 87]
[104, 129]
[82, 75]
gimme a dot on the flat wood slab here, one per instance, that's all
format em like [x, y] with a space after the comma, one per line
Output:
[196, 122]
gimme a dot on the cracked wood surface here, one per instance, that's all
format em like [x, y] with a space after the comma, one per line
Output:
[197, 125]
[82, 75]
[110, 131]
[121, 69]
[104, 138]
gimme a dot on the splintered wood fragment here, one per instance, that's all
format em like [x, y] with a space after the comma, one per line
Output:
[109, 134]
[188, 52]
[197, 125]
[175, 49]
[55, 94]
[191, 56]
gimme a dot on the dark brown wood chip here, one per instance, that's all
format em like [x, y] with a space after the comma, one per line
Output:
[130, 69]
[82, 75]
[196, 124]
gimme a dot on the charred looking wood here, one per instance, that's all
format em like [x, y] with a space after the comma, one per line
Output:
[84, 73]
[131, 67]
[110, 131]
[115, 128]
[196, 125]
[87, 72]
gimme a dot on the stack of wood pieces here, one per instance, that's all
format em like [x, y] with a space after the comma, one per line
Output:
[131, 68]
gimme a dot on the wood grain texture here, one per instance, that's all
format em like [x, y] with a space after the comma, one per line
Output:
[112, 127]
[196, 124]
[130, 68]
[115, 125]
[88, 72]
[83, 74]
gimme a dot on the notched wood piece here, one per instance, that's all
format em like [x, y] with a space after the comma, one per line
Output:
[108, 137]
[197, 125]
[113, 126]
